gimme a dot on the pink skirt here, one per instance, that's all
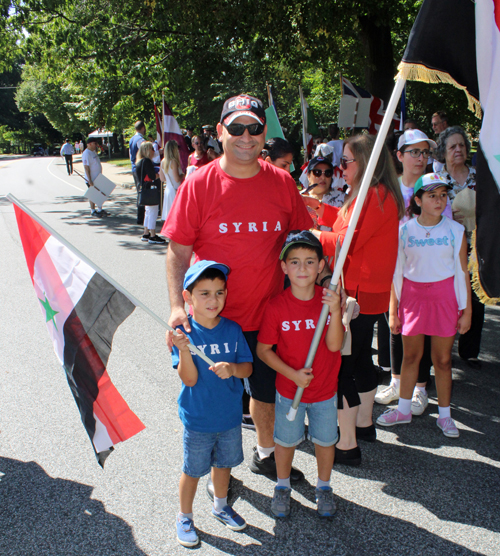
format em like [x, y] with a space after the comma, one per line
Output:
[429, 308]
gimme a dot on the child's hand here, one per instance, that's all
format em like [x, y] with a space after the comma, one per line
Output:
[394, 324]
[222, 370]
[332, 299]
[303, 377]
[180, 340]
[463, 325]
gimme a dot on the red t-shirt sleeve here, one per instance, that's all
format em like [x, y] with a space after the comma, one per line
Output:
[268, 332]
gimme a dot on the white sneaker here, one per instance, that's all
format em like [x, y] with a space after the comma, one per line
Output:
[388, 395]
[419, 402]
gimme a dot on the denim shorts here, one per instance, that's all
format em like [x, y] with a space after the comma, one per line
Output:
[204, 450]
[322, 418]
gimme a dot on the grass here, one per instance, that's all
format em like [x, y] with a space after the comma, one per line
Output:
[121, 162]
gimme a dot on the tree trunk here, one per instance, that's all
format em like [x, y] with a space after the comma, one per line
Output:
[379, 72]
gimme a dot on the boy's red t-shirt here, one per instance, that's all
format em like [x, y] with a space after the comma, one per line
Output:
[290, 323]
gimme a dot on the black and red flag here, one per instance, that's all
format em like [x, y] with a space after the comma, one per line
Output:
[458, 42]
[82, 311]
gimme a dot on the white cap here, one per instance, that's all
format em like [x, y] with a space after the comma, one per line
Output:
[412, 136]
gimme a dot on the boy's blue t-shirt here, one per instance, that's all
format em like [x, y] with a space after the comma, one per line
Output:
[213, 404]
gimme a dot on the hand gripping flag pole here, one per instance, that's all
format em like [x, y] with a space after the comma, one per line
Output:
[120, 288]
[363, 190]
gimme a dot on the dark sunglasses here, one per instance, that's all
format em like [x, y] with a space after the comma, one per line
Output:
[237, 130]
[318, 173]
[344, 162]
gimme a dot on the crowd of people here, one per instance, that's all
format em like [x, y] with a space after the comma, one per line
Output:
[264, 255]
[263, 259]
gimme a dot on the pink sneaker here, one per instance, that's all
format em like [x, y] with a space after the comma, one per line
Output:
[392, 417]
[447, 425]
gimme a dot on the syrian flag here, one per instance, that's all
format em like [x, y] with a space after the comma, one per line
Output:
[82, 311]
[377, 109]
[466, 53]
[159, 133]
[309, 127]
[172, 132]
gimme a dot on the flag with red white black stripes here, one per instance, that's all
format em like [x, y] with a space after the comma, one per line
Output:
[466, 53]
[82, 311]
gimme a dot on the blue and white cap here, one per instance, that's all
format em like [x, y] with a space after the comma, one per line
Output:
[195, 271]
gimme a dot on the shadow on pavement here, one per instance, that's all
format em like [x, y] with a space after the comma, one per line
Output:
[40, 515]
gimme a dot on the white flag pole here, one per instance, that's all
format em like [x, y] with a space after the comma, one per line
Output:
[363, 190]
[85, 259]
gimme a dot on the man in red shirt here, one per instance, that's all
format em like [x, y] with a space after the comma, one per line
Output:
[238, 210]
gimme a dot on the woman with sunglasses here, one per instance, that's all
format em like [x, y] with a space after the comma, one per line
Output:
[321, 175]
[368, 273]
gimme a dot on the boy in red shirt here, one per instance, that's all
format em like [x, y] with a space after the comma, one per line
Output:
[289, 323]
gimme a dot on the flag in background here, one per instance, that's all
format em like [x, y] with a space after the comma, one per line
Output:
[82, 311]
[309, 127]
[466, 53]
[403, 110]
[377, 109]
[172, 132]
[159, 132]
[274, 128]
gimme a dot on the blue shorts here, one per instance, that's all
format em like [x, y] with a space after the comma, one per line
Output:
[322, 418]
[204, 450]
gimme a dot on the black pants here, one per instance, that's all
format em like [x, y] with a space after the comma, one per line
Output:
[140, 209]
[470, 342]
[357, 372]
[424, 369]
[383, 341]
[69, 163]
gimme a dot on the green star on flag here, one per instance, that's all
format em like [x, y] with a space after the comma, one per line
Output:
[49, 312]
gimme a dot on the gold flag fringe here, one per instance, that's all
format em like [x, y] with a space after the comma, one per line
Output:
[418, 72]
[475, 280]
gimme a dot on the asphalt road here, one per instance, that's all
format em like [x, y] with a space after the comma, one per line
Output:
[417, 492]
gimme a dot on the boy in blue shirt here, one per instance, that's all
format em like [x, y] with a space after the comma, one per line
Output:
[289, 323]
[210, 401]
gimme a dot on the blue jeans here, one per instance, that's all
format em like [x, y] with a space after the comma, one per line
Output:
[204, 450]
[322, 422]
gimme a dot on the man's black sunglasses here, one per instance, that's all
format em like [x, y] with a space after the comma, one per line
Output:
[239, 129]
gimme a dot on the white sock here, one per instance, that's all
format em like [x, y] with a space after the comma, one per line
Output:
[395, 381]
[190, 516]
[421, 389]
[284, 482]
[264, 452]
[444, 412]
[219, 503]
[321, 483]
[404, 406]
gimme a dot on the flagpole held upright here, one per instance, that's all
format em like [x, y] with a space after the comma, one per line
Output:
[358, 206]
[304, 121]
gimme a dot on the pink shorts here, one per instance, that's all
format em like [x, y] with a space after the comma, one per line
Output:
[429, 308]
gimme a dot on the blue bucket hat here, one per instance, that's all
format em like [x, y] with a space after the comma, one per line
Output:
[195, 271]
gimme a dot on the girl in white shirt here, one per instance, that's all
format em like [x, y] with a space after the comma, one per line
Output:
[430, 296]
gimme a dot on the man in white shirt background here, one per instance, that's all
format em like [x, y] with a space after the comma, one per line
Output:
[67, 151]
[92, 166]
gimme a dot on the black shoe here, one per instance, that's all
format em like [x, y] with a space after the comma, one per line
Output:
[157, 240]
[348, 457]
[369, 434]
[267, 467]
[247, 423]
[210, 487]
[145, 237]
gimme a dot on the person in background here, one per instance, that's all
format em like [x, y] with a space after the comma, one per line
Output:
[279, 153]
[147, 176]
[67, 152]
[187, 138]
[171, 174]
[200, 156]
[134, 144]
[453, 150]
[156, 158]
[92, 168]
